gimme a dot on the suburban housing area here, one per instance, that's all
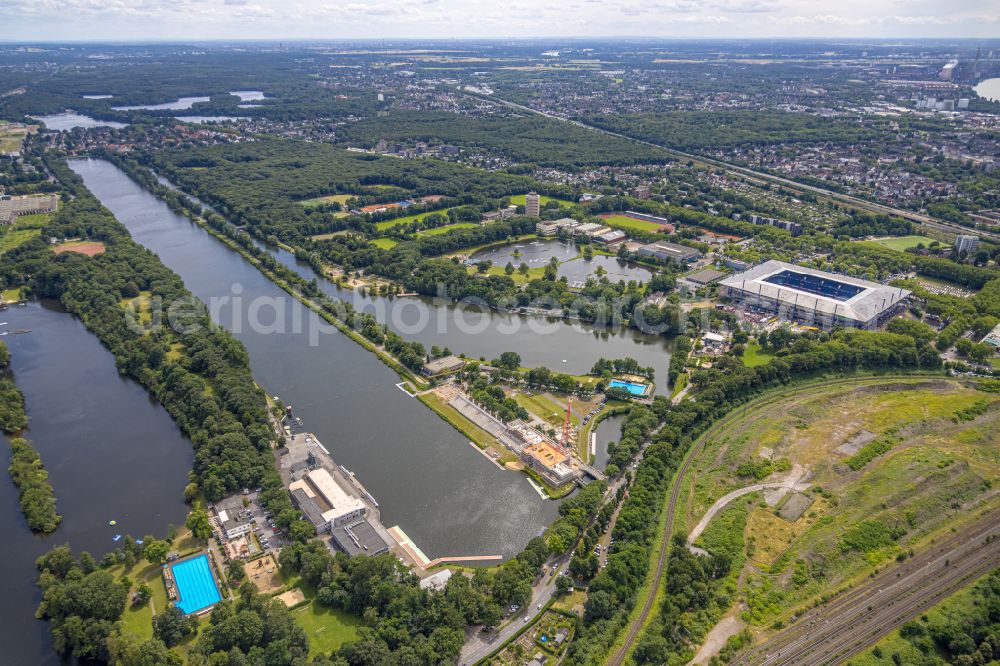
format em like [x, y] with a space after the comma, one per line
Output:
[501, 352]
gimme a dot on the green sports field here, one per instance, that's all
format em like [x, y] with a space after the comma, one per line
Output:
[327, 628]
[902, 243]
[437, 231]
[333, 198]
[518, 200]
[389, 224]
[630, 223]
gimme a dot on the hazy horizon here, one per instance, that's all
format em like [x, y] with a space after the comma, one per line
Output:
[294, 20]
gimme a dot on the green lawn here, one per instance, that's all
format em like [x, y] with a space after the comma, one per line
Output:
[902, 243]
[517, 276]
[389, 224]
[327, 628]
[11, 138]
[518, 200]
[545, 409]
[995, 362]
[480, 437]
[630, 223]
[33, 221]
[16, 237]
[753, 356]
[333, 198]
[385, 243]
[437, 231]
[682, 379]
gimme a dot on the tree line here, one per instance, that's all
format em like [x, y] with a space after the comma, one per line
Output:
[717, 390]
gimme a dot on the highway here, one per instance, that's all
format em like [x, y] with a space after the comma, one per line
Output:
[856, 619]
[855, 202]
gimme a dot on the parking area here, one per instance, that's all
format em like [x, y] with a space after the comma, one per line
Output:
[251, 529]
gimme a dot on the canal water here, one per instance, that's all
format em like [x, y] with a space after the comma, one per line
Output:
[568, 346]
[112, 453]
[427, 478]
[607, 431]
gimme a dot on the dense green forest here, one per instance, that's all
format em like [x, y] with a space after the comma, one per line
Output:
[706, 130]
[35, 494]
[166, 76]
[12, 415]
[198, 371]
[522, 138]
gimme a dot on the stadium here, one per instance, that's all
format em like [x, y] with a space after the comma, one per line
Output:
[814, 297]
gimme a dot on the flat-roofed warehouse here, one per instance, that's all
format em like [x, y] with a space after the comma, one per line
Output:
[359, 538]
[324, 502]
[814, 297]
[665, 251]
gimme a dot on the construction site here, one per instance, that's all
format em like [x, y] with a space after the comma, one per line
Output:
[553, 459]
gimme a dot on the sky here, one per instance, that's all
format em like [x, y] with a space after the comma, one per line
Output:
[139, 20]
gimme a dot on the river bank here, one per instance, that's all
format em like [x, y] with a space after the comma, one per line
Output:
[112, 453]
[349, 399]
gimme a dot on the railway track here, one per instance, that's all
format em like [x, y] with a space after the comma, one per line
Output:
[635, 628]
[855, 202]
[856, 619]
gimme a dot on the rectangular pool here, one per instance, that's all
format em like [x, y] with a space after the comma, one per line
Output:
[631, 387]
[196, 587]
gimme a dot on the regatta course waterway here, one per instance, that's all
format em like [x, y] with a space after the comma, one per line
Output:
[426, 477]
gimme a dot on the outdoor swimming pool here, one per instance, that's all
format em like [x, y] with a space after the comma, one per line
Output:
[631, 387]
[195, 585]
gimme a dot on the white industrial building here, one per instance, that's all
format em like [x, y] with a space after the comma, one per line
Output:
[324, 502]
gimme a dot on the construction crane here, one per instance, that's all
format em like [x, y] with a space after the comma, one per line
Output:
[565, 432]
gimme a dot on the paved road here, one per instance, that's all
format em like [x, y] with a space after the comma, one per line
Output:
[790, 484]
[477, 646]
[858, 618]
[709, 161]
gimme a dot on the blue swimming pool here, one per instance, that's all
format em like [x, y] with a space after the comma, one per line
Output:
[195, 585]
[631, 387]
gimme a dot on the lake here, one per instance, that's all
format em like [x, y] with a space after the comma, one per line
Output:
[177, 105]
[112, 453]
[989, 88]
[63, 122]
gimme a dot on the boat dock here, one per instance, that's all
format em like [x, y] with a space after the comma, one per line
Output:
[303, 453]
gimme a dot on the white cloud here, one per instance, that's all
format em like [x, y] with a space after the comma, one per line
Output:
[278, 19]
